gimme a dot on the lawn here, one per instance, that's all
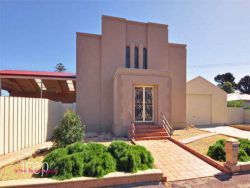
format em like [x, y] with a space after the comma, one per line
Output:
[202, 145]
[187, 133]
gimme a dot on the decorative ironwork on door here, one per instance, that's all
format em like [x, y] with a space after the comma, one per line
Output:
[144, 104]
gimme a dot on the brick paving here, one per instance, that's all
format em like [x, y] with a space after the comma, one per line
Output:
[177, 163]
[14, 157]
[198, 137]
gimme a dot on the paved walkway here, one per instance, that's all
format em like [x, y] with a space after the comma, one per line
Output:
[198, 137]
[175, 162]
[229, 131]
[14, 157]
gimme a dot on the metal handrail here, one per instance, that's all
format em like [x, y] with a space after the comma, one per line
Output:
[166, 125]
[132, 127]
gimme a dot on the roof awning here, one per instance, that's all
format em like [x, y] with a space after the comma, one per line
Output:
[56, 86]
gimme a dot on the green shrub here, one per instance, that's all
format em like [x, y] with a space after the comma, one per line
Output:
[70, 130]
[130, 158]
[217, 151]
[100, 165]
[97, 160]
[245, 144]
[80, 159]
[242, 155]
[76, 147]
[236, 103]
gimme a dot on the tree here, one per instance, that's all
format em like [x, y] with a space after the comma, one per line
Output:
[223, 81]
[60, 67]
[244, 85]
[227, 87]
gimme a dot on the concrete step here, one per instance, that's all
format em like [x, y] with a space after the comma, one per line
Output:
[149, 130]
[142, 126]
[150, 134]
[152, 138]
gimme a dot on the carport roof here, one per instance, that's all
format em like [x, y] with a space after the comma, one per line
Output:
[57, 86]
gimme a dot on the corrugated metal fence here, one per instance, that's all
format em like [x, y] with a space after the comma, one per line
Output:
[26, 122]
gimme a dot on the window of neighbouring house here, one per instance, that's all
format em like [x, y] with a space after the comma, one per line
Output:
[145, 58]
[127, 57]
[136, 58]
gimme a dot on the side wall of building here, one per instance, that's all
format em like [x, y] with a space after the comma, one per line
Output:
[88, 82]
[177, 70]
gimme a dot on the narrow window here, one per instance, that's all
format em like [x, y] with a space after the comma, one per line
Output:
[145, 58]
[127, 57]
[136, 58]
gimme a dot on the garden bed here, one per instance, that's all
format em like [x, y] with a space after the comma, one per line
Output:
[203, 144]
[244, 127]
[187, 133]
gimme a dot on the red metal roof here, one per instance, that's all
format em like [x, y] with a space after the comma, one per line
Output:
[37, 73]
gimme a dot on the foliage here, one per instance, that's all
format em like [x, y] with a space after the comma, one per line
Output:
[96, 160]
[244, 85]
[224, 79]
[217, 151]
[60, 67]
[245, 144]
[227, 87]
[70, 130]
[130, 158]
[80, 159]
[237, 103]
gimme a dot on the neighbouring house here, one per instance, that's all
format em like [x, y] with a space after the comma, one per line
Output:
[130, 72]
[239, 97]
[206, 103]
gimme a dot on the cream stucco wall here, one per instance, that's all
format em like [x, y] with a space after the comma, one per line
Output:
[205, 103]
[100, 56]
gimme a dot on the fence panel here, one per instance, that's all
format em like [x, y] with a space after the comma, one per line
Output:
[247, 116]
[26, 122]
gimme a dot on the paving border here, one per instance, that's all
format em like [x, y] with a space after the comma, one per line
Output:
[202, 157]
[112, 179]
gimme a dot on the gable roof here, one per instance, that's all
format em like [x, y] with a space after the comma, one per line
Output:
[206, 81]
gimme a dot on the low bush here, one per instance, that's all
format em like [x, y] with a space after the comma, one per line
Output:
[96, 160]
[217, 151]
[245, 144]
[80, 159]
[70, 130]
[130, 158]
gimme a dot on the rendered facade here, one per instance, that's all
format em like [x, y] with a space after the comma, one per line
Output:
[130, 71]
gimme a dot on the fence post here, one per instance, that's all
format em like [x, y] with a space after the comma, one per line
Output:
[232, 149]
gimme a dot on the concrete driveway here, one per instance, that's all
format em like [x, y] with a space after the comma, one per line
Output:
[227, 130]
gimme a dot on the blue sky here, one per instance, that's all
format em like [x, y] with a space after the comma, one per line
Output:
[38, 34]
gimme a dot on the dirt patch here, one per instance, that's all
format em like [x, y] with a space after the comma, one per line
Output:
[244, 127]
[187, 133]
[19, 169]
